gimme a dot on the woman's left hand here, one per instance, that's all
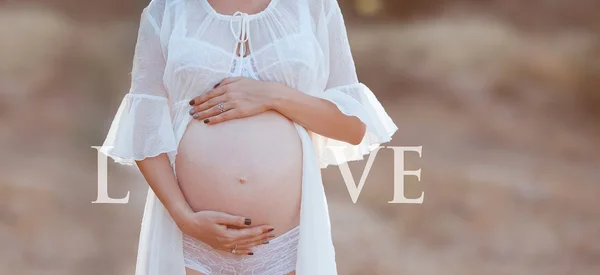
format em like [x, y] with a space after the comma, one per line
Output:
[233, 98]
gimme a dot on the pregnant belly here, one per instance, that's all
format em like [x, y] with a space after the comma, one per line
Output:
[251, 167]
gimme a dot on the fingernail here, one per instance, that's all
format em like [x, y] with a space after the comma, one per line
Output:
[192, 102]
[217, 85]
[266, 242]
[272, 236]
[192, 111]
[271, 229]
[250, 253]
[196, 115]
[246, 221]
[206, 120]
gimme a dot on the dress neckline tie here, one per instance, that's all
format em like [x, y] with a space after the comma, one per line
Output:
[241, 37]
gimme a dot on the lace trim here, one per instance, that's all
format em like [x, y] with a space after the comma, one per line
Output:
[278, 257]
[248, 67]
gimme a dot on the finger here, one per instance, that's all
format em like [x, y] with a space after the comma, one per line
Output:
[206, 96]
[241, 251]
[211, 107]
[266, 235]
[234, 249]
[225, 116]
[240, 236]
[231, 220]
[260, 240]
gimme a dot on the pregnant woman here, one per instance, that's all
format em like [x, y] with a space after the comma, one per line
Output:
[234, 108]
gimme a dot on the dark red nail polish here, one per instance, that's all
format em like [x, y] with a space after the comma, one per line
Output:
[206, 120]
[250, 253]
[270, 229]
[247, 221]
[192, 102]
[217, 85]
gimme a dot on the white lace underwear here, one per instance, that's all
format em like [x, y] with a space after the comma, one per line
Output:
[278, 257]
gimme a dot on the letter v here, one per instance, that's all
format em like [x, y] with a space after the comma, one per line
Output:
[353, 189]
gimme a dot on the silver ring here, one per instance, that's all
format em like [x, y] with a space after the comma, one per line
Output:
[221, 107]
[233, 250]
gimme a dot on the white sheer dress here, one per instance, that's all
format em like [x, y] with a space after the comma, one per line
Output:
[185, 47]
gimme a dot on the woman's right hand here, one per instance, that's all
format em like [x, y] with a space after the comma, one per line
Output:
[225, 232]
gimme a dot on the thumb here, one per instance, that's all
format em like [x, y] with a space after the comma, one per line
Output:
[231, 220]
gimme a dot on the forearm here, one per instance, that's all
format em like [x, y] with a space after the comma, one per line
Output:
[316, 114]
[158, 173]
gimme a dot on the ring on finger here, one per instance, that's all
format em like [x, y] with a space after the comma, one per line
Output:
[234, 249]
[221, 106]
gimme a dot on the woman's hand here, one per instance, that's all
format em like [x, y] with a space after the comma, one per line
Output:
[217, 229]
[233, 98]
[225, 232]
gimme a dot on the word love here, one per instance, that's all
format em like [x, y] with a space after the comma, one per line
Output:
[353, 189]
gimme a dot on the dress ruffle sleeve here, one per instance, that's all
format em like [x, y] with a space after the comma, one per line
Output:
[143, 126]
[355, 100]
[352, 98]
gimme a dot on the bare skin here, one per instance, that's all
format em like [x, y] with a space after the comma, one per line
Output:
[218, 229]
[224, 226]
[244, 97]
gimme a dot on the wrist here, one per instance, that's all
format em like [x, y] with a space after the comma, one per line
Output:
[181, 214]
[277, 95]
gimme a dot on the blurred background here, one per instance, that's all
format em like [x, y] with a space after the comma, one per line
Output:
[503, 95]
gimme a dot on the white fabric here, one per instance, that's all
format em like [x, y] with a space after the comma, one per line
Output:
[278, 257]
[184, 48]
[244, 67]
